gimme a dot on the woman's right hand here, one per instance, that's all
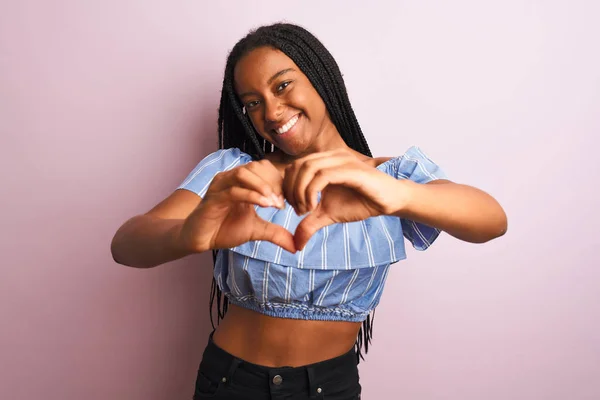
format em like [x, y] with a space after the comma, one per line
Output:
[226, 216]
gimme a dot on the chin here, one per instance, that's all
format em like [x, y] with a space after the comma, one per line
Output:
[297, 151]
[290, 152]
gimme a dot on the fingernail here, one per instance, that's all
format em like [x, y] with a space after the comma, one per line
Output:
[266, 201]
[275, 199]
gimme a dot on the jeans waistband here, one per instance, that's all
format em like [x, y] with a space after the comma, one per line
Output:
[226, 367]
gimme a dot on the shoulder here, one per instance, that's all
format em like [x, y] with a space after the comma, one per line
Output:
[218, 161]
[413, 164]
[223, 160]
[229, 154]
[376, 161]
[413, 153]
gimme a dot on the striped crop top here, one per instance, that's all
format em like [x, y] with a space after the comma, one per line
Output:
[340, 273]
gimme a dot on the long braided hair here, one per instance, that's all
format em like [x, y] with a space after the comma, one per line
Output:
[235, 130]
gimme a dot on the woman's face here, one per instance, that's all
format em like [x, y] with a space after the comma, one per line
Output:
[282, 104]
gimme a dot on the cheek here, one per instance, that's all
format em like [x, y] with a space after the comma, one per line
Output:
[256, 126]
[260, 128]
[310, 102]
[317, 104]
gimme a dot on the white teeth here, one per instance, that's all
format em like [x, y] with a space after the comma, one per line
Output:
[287, 126]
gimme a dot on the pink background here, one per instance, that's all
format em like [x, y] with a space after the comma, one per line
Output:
[105, 107]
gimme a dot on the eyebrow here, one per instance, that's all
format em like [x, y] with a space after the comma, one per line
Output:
[271, 79]
[277, 75]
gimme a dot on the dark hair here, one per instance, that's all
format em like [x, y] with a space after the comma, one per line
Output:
[235, 130]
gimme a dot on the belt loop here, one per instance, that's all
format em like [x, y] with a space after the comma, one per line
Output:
[235, 362]
[314, 392]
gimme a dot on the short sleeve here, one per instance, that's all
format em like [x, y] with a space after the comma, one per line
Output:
[202, 175]
[418, 167]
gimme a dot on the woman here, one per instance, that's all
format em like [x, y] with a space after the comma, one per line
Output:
[303, 223]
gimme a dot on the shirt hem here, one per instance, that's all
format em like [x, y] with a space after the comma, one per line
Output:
[298, 311]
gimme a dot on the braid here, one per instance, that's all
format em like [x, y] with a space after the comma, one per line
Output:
[235, 130]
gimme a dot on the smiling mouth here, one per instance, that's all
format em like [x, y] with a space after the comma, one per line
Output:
[289, 125]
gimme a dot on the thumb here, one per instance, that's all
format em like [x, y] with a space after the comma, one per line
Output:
[273, 233]
[309, 226]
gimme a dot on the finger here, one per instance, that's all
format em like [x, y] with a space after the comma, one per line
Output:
[289, 179]
[307, 173]
[273, 233]
[270, 174]
[248, 179]
[295, 195]
[243, 195]
[341, 175]
[309, 226]
[288, 186]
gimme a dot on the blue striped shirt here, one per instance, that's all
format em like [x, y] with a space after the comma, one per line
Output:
[340, 273]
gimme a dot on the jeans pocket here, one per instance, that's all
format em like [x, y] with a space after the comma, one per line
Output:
[205, 387]
[341, 390]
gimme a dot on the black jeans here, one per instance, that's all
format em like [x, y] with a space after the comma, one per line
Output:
[225, 377]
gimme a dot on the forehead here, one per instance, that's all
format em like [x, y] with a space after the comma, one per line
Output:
[256, 67]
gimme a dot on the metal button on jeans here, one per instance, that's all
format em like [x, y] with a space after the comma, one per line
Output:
[277, 379]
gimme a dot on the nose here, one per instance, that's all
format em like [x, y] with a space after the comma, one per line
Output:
[273, 110]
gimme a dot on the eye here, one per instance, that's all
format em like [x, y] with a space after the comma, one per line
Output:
[250, 105]
[283, 86]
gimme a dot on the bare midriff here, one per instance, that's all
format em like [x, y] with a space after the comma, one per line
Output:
[278, 342]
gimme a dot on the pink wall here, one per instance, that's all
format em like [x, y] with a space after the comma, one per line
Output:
[105, 107]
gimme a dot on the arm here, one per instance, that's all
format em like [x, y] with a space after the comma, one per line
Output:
[415, 189]
[153, 238]
[186, 223]
[462, 211]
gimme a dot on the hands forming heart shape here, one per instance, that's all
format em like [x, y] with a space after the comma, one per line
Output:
[351, 190]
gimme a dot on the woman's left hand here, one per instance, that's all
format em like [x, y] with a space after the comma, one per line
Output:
[351, 190]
